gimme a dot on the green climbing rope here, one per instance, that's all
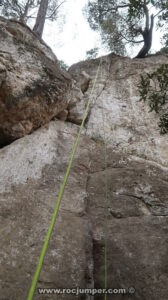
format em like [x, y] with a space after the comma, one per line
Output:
[50, 230]
[106, 212]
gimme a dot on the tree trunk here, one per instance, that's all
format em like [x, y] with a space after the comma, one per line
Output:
[41, 16]
[23, 17]
[147, 35]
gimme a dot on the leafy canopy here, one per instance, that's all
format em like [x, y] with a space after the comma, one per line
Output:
[24, 10]
[153, 89]
[124, 21]
[92, 53]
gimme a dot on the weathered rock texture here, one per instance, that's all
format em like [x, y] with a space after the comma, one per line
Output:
[33, 88]
[129, 126]
[32, 170]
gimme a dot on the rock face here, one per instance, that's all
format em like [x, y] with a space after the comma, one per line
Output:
[129, 126]
[32, 170]
[33, 88]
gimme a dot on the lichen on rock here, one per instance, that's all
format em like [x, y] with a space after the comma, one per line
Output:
[33, 88]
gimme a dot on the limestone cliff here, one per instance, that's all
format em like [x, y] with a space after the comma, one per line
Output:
[32, 170]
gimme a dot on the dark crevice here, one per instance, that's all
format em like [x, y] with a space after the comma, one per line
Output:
[5, 139]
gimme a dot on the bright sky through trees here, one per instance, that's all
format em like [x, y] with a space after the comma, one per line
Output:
[71, 41]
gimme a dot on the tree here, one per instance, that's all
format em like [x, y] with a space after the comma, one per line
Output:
[47, 10]
[153, 89]
[18, 10]
[27, 10]
[92, 53]
[127, 21]
[41, 17]
[63, 65]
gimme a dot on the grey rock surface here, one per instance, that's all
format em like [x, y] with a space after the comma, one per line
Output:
[32, 170]
[27, 202]
[129, 126]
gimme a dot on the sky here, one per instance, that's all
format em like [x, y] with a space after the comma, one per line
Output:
[72, 38]
[75, 37]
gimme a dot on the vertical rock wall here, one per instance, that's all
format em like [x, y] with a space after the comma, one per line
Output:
[31, 173]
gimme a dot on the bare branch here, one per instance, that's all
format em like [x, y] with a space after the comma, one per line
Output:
[114, 9]
[55, 10]
[131, 41]
[158, 13]
[122, 6]
[25, 12]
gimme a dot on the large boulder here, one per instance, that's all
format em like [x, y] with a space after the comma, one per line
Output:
[33, 88]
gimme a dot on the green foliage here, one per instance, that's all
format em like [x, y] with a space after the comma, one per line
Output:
[123, 22]
[165, 39]
[63, 65]
[102, 19]
[153, 89]
[136, 9]
[164, 50]
[113, 41]
[164, 123]
[25, 10]
[92, 53]
[18, 9]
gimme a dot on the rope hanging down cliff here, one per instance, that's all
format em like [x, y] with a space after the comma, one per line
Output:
[55, 214]
[106, 211]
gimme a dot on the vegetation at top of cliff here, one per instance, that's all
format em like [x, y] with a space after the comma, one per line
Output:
[153, 89]
[92, 53]
[28, 10]
[63, 65]
[122, 22]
